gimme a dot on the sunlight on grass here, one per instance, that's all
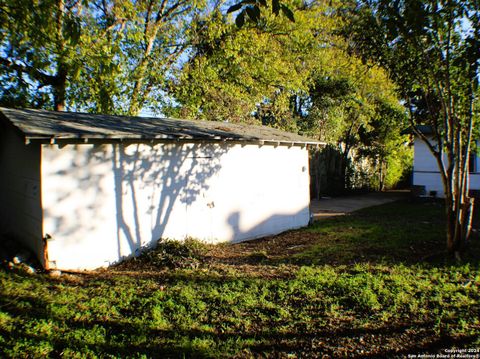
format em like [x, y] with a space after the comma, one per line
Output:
[395, 232]
[213, 310]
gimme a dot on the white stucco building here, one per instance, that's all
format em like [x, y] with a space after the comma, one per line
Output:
[85, 191]
[426, 172]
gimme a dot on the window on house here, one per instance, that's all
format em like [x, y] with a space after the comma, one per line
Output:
[472, 162]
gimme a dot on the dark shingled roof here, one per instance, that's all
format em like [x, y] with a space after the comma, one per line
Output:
[425, 129]
[50, 126]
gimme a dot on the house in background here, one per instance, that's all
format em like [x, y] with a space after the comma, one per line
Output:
[84, 191]
[426, 175]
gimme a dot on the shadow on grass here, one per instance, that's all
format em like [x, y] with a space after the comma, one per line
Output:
[407, 232]
[122, 337]
[95, 337]
[404, 232]
[219, 309]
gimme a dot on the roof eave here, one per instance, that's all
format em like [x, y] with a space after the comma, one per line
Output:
[65, 140]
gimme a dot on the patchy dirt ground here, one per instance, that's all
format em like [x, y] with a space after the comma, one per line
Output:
[392, 233]
[274, 247]
[374, 283]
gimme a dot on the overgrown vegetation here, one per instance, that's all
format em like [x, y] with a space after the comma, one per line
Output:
[432, 53]
[188, 59]
[175, 254]
[359, 285]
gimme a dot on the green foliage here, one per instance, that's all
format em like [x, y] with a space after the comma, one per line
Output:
[176, 254]
[295, 76]
[98, 56]
[37, 42]
[383, 143]
[232, 71]
[431, 50]
[364, 123]
[253, 10]
[399, 166]
[129, 49]
[188, 59]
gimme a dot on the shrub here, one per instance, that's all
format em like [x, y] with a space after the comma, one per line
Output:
[177, 254]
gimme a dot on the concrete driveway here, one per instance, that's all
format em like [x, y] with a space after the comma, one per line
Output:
[338, 206]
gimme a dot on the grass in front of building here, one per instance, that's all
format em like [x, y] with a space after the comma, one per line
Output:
[374, 283]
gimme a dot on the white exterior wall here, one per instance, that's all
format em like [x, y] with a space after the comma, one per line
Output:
[102, 203]
[426, 173]
[20, 202]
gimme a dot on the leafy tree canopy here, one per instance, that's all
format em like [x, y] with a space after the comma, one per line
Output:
[189, 59]
[431, 50]
[231, 71]
[98, 55]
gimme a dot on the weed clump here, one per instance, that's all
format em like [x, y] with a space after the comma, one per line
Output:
[174, 254]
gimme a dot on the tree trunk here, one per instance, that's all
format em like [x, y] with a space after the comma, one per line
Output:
[60, 83]
[59, 89]
[467, 220]
[450, 216]
[381, 176]
[459, 222]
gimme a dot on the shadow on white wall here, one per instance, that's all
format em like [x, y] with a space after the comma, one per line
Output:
[273, 224]
[103, 203]
[158, 183]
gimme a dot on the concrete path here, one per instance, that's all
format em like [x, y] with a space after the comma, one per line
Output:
[339, 206]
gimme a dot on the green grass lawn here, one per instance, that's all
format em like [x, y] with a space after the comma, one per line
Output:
[374, 283]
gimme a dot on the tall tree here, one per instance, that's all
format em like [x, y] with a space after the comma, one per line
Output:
[292, 75]
[431, 50]
[343, 103]
[130, 48]
[385, 145]
[232, 71]
[37, 50]
[110, 56]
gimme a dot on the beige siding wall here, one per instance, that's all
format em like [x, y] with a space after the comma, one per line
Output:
[103, 203]
[20, 201]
